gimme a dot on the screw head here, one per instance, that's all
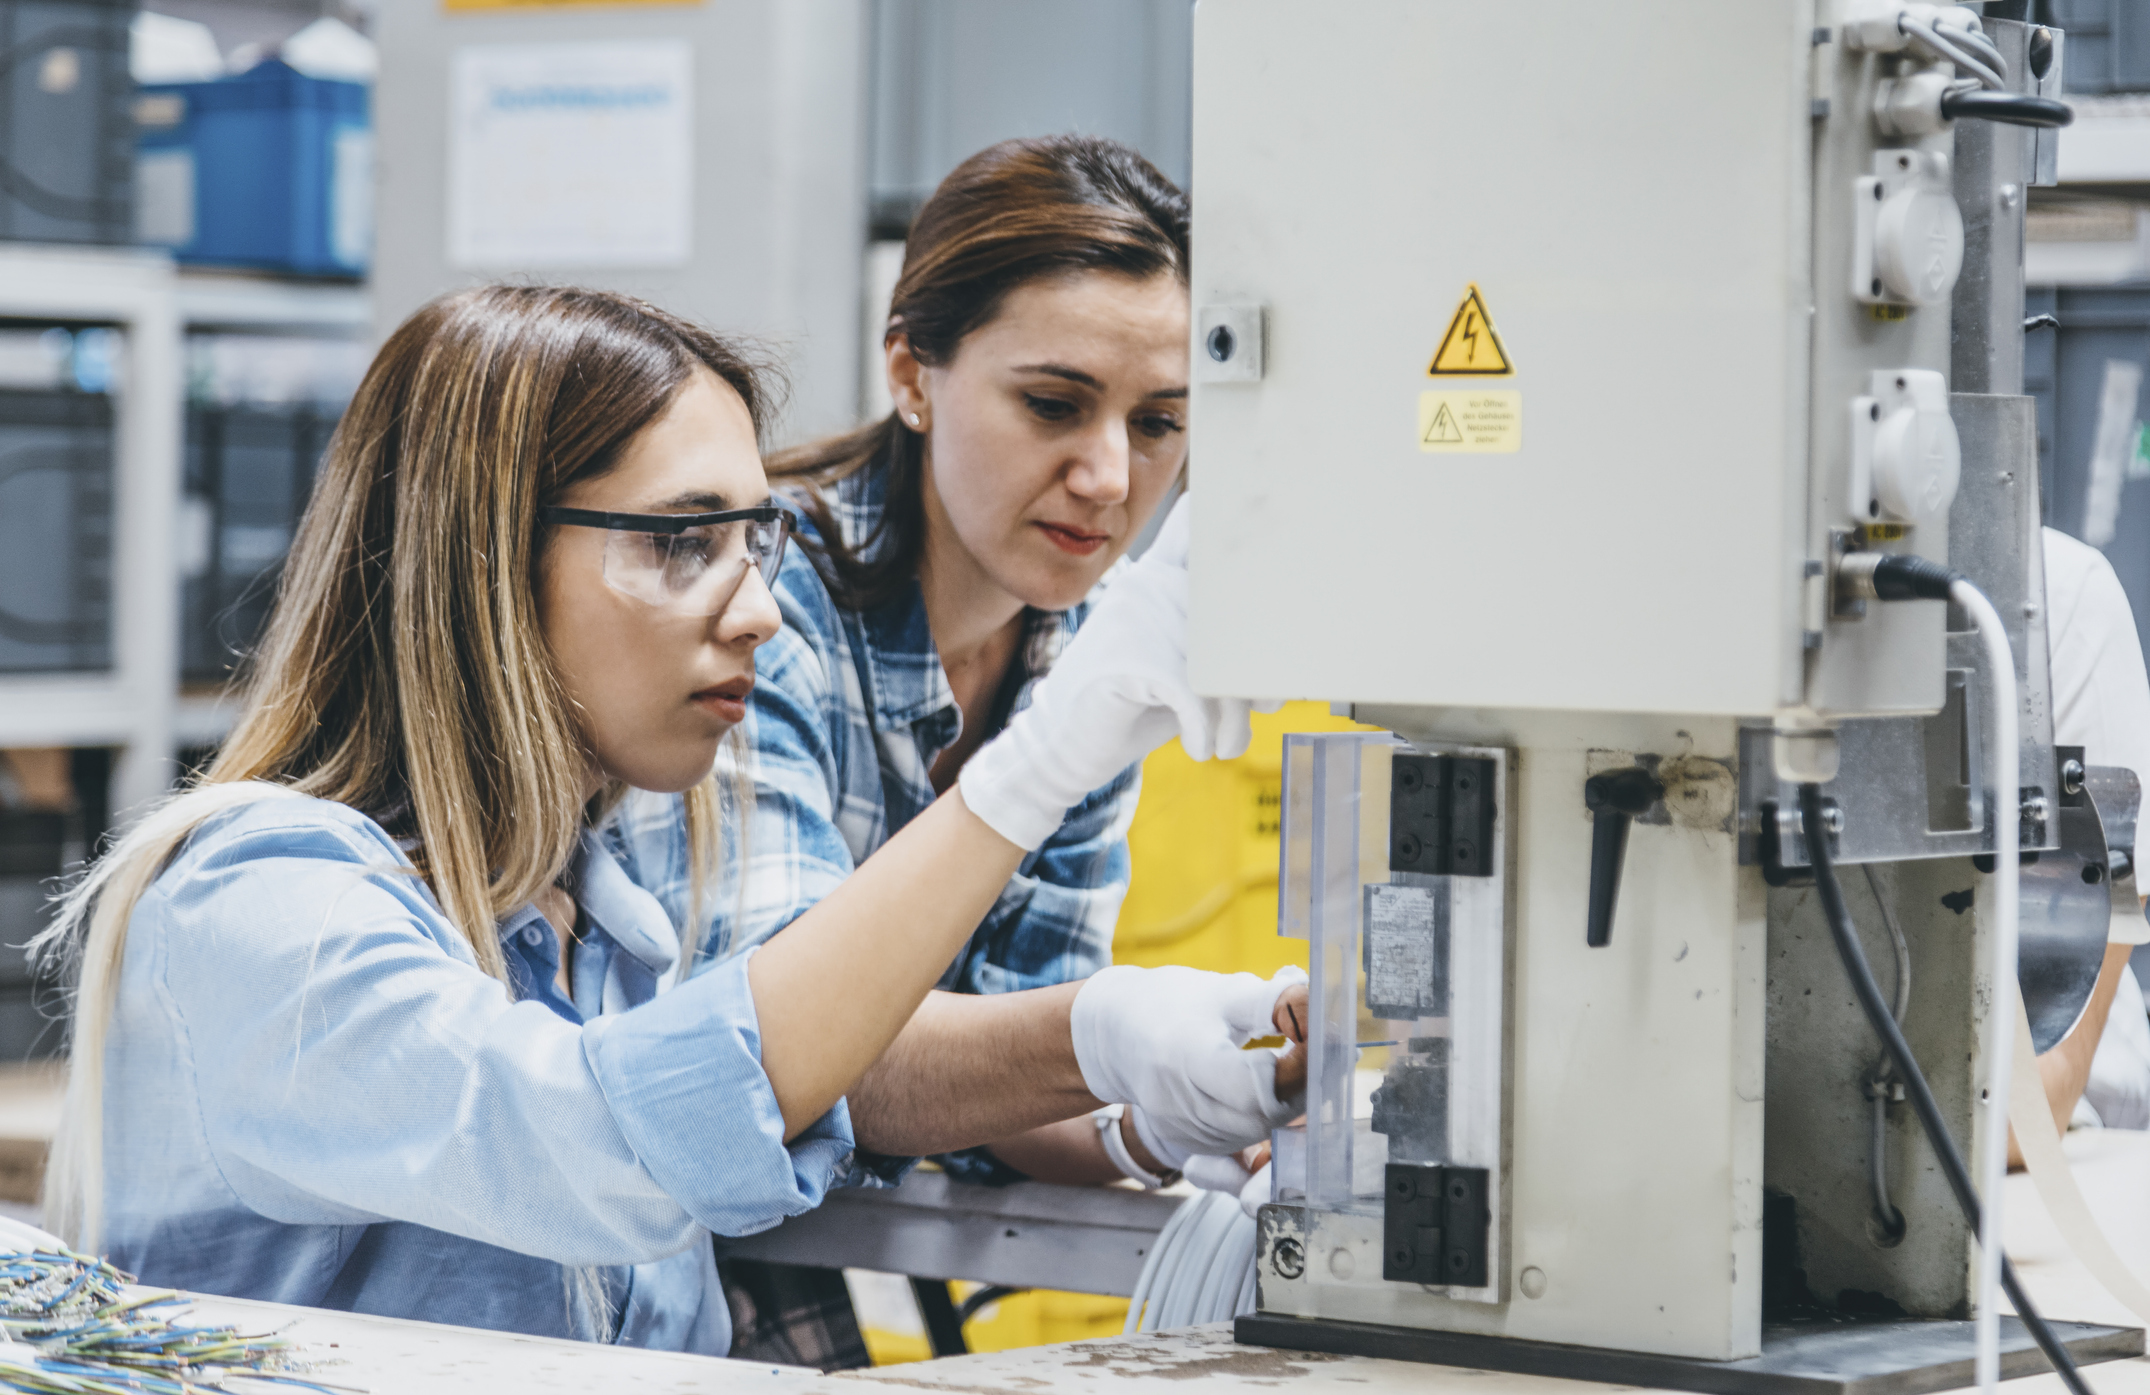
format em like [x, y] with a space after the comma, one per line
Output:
[2071, 776]
[1410, 777]
[1288, 1258]
[1407, 848]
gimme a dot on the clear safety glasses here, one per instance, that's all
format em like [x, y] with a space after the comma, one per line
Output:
[685, 563]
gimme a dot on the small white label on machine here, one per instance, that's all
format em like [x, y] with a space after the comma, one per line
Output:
[1470, 422]
[1404, 968]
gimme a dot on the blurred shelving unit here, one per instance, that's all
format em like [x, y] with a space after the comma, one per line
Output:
[236, 301]
[130, 702]
[232, 303]
[134, 703]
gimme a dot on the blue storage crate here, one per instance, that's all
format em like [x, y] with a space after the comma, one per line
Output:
[268, 168]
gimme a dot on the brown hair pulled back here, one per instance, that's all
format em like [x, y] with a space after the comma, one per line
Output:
[1016, 212]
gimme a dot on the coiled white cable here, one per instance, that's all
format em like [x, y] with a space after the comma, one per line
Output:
[21, 1235]
[1955, 36]
[2007, 816]
[1200, 1270]
[1906, 577]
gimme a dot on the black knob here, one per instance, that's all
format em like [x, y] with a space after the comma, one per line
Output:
[1615, 798]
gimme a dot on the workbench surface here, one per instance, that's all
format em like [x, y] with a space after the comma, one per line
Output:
[384, 1355]
[2113, 1168]
[391, 1356]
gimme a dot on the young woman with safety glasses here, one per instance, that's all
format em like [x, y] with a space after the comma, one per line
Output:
[384, 1012]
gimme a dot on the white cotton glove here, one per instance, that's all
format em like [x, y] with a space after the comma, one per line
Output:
[1214, 1172]
[1168, 1041]
[1116, 693]
[1229, 1175]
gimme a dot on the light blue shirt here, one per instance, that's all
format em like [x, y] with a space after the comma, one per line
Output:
[313, 1095]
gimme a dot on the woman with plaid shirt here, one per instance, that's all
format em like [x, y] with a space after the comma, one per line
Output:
[1036, 353]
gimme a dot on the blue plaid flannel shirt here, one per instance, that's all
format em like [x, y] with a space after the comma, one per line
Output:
[848, 712]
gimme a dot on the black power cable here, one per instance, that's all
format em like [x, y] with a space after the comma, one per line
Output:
[1853, 953]
[2009, 108]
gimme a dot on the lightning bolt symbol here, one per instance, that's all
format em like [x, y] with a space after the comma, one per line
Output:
[1470, 337]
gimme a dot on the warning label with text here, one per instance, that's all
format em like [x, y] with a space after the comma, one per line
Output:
[1466, 422]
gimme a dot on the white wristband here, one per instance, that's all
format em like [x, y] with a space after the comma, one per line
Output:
[1108, 1134]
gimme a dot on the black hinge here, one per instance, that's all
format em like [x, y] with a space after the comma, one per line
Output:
[1434, 1224]
[1441, 815]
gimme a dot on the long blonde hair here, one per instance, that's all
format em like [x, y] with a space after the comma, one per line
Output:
[404, 671]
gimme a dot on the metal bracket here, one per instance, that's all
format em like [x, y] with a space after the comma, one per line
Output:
[1779, 829]
[2034, 814]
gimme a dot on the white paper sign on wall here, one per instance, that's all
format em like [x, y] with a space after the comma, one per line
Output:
[571, 155]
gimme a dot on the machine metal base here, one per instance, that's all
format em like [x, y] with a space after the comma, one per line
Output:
[1858, 1356]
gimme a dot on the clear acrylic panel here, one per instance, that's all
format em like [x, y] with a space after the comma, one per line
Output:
[1334, 839]
[1408, 983]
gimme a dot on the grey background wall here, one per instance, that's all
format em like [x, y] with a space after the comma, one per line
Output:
[820, 126]
[779, 206]
[951, 77]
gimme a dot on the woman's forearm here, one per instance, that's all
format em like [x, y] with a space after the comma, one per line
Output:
[2064, 1070]
[1072, 1152]
[970, 1069]
[834, 988]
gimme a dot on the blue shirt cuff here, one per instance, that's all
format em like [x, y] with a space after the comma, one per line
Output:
[683, 1077]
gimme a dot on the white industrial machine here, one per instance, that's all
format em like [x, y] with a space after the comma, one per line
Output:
[1578, 388]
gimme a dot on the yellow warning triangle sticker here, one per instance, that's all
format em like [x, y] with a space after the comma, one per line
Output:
[1472, 347]
[1442, 431]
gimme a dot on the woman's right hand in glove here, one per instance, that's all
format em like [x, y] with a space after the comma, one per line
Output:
[1117, 692]
[1170, 1042]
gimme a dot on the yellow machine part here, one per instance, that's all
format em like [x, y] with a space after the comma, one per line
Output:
[1019, 1320]
[1204, 845]
[1204, 894]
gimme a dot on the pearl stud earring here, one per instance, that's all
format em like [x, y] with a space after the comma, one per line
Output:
[914, 418]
